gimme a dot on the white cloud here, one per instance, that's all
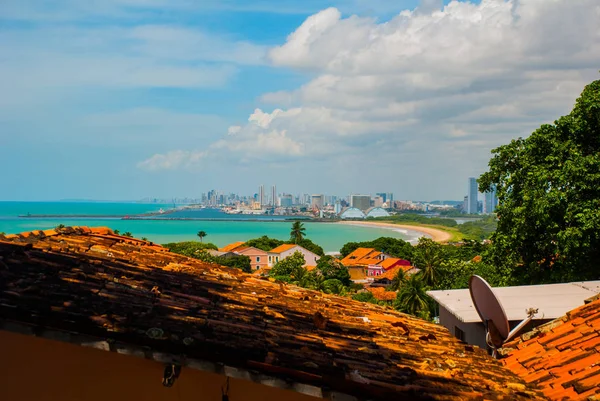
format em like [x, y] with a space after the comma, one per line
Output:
[173, 160]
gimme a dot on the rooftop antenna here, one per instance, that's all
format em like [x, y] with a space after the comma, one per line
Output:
[492, 314]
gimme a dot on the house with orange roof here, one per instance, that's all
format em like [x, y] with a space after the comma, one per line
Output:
[561, 357]
[364, 257]
[382, 266]
[258, 257]
[232, 247]
[283, 251]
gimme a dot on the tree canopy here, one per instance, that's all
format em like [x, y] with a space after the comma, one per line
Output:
[266, 244]
[331, 268]
[549, 197]
[392, 246]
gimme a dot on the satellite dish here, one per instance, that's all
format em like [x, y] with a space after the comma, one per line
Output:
[492, 314]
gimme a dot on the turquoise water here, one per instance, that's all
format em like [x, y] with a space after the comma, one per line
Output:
[330, 236]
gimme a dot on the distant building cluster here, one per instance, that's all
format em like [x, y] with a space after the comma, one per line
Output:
[472, 204]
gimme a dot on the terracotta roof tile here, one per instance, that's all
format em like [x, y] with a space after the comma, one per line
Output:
[283, 248]
[562, 357]
[232, 247]
[118, 288]
[357, 257]
[381, 294]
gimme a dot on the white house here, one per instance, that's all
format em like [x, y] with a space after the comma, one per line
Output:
[285, 250]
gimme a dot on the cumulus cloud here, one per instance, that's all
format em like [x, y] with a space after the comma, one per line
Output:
[435, 74]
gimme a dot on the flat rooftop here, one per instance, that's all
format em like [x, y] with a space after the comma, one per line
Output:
[552, 300]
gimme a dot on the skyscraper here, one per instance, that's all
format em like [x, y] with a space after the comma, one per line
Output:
[491, 201]
[274, 195]
[261, 195]
[317, 201]
[362, 202]
[472, 192]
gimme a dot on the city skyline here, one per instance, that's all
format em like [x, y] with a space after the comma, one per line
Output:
[128, 99]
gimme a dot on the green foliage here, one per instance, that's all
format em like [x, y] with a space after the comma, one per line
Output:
[392, 246]
[127, 234]
[420, 219]
[412, 297]
[189, 248]
[479, 229]
[265, 243]
[398, 281]
[311, 246]
[428, 257]
[298, 232]
[549, 198]
[365, 296]
[201, 235]
[59, 227]
[291, 267]
[241, 262]
[144, 239]
[332, 269]
[116, 232]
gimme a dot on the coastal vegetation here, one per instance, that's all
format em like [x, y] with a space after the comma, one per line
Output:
[201, 235]
[397, 248]
[549, 198]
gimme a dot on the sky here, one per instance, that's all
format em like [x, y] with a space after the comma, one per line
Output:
[127, 99]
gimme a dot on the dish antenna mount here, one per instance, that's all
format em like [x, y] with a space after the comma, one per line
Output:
[492, 314]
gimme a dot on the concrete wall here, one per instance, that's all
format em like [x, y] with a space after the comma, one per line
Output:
[253, 254]
[474, 332]
[39, 369]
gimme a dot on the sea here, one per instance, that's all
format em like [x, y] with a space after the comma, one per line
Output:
[221, 228]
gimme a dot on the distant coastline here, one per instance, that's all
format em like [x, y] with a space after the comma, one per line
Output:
[433, 233]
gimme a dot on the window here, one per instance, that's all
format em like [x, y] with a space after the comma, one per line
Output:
[270, 258]
[458, 333]
[276, 258]
[257, 259]
[257, 267]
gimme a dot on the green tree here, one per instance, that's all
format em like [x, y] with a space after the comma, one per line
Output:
[298, 232]
[241, 262]
[201, 235]
[398, 280]
[265, 243]
[365, 296]
[309, 245]
[116, 232]
[549, 198]
[412, 297]
[395, 247]
[289, 269]
[428, 256]
[60, 227]
[331, 268]
[189, 248]
[127, 234]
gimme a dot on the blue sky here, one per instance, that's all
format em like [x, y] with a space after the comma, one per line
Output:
[124, 99]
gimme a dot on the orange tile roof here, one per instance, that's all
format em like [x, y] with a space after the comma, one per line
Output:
[232, 247]
[389, 262]
[118, 289]
[283, 248]
[391, 273]
[361, 256]
[562, 357]
[381, 294]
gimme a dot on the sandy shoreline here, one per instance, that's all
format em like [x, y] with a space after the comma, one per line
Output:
[436, 235]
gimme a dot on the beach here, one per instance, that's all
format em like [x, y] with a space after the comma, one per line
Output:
[434, 234]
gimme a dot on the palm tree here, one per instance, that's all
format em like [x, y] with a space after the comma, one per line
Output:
[412, 297]
[201, 234]
[398, 280]
[428, 257]
[127, 234]
[297, 233]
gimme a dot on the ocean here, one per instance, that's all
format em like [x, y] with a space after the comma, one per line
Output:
[220, 227]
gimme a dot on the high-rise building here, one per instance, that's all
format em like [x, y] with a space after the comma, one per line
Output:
[491, 201]
[317, 201]
[285, 200]
[378, 201]
[261, 195]
[361, 202]
[472, 193]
